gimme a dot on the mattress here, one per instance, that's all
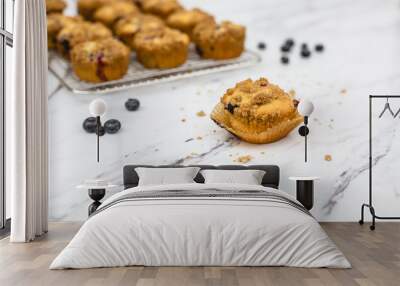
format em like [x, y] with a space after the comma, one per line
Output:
[201, 225]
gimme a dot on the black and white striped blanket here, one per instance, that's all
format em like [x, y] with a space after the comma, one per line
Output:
[204, 194]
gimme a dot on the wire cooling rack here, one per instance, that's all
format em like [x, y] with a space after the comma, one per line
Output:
[139, 75]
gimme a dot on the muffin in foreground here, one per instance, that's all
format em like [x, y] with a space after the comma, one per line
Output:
[55, 6]
[161, 48]
[257, 112]
[161, 8]
[55, 23]
[74, 34]
[219, 41]
[186, 20]
[99, 61]
[127, 28]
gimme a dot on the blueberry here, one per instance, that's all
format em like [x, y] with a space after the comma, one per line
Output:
[305, 53]
[284, 60]
[132, 104]
[261, 46]
[89, 125]
[112, 126]
[285, 48]
[289, 42]
[230, 107]
[319, 47]
[65, 45]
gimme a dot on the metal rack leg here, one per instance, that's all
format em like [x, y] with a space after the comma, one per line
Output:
[361, 221]
[372, 210]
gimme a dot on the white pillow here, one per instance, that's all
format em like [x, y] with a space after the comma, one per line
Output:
[248, 177]
[165, 176]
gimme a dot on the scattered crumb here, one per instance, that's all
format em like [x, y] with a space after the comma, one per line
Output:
[194, 154]
[201, 113]
[343, 91]
[244, 159]
[328, 157]
[292, 93]
[230, 155]
[214, 131]
[188, 140]
[183, 119]
[332, 119]
[199, 137]
[262, 152]
[156, 150]
[182, 108]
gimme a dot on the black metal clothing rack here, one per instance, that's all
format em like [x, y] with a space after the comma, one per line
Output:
[370, 205]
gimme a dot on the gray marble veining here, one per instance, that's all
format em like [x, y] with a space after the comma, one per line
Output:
[361, 58]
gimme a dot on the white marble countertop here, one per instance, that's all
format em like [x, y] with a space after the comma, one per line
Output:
[362, 41]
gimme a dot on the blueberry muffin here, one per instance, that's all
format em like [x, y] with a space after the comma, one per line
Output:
[161, 8]
[161, 48]
[219, 41]
[55, 6]
[101, 60]
[257, 111]
[109, 14]
[73, 34]
[127, 28]
[55, 22]
[186, 20]
[86, 8]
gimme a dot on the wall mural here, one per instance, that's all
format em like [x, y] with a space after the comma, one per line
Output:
[238, 116]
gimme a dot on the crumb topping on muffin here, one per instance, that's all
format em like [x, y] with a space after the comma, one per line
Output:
[259, 100]
[76, 33]
[162, 8]
[186, 20]
[110, 13]
[56, 21]
[210, 30]
[107, 49]
[126, 28]
[154, 39]
[55, 6]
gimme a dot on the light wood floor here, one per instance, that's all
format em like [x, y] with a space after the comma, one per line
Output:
[375, 257]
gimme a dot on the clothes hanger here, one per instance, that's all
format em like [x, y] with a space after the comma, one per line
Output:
[387, 107]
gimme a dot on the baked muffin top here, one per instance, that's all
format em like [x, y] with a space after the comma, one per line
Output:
[162, 8]
[164, 38]
[114, 11]
[76, 33]
[186, 20]
[259, 100]
[104, 50]
[129, 26]
[57, 21]
[211, 31]
[55, 6]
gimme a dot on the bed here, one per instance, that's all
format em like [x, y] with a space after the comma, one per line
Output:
[201, 224]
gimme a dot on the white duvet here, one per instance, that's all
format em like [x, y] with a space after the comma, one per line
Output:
[200, 231]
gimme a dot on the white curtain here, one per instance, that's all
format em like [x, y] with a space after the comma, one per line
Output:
[26, 124]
